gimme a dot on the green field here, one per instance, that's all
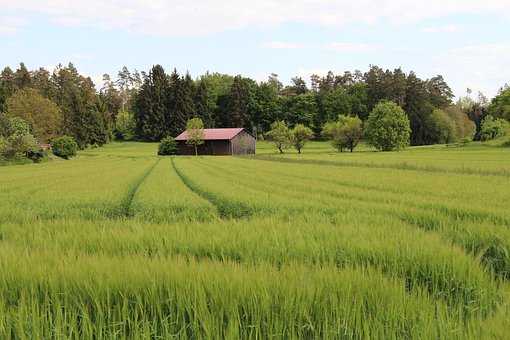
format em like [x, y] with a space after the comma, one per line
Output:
[119, 243]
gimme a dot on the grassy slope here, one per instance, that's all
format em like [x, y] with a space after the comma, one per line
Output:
[122, 243]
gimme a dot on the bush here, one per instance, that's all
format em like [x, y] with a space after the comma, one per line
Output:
[280, 135]
[300, 135]
[492, 128]
[167, 147]
[442, 128]
[17, 146]
[64, 147]
[388, 127]
[125, 126]
[36, 155]
[344, 133]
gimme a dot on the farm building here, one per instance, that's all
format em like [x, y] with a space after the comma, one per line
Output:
[219, 142]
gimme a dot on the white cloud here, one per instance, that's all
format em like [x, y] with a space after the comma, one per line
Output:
[442, 29]
[344, 47]
[350, 47]
[280, 45]
[479, 67]
[10, 25]
[199, 17]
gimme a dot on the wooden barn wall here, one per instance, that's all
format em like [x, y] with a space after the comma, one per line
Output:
[243, 144]
[210, 147]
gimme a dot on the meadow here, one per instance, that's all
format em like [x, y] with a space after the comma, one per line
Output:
[122, 244]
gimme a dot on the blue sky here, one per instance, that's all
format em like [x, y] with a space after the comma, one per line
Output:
[465, 41]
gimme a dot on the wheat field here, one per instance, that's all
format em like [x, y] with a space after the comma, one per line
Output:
[122, 244]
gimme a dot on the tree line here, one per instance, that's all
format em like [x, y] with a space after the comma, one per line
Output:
[152, 105]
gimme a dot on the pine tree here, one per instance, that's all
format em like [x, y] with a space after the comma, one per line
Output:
[182, 107]
[151, 106]
[238, 103]
[202, 108]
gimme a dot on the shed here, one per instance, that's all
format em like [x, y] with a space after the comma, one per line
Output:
[232, 141]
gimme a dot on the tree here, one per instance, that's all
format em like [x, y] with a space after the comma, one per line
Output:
[43, 116]
[64, 147]
[76, 96]
[167, 146]
[151, 106]
[442, 128]
[300, 135]
[181, 106]
[464, 127]
[388, 127]
[238, 103]
[346, 132]
[16, 140]
[195, 131]
[125, 126]
[301, 109]
[280, 135]
[500, 105]
[332, 104]
[493, 128]
[203, 104]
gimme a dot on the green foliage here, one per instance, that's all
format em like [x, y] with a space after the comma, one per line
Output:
[195, 131]
[493, 128]
[442, 128]
[167, 147]
[332, 104]
[280, 135]
[42, 115]
[465, 128]
[18, 146]
[125, 126]
[300, 109]
[64, 147]
[300, 135]
[16, 140]
[388, 127]
[17, 126]
[500, 105]
[151, 107]
[345, 133]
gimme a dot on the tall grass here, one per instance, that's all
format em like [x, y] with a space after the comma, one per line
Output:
[122, 244]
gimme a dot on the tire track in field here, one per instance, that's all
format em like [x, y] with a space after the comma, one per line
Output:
[124, 208]
[225, 209]
[396, 166]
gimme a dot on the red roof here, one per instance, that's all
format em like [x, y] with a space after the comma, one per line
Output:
[214, 134]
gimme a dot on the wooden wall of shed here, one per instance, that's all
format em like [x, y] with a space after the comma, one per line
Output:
[243, 144]
[210, 147]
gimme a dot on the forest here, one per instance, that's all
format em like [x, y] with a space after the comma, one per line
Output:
[149, 106]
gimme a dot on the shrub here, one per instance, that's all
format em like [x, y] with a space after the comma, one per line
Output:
[300, 135]
[344, 133]
[280, 135]
[17, 146]
[36, 155]
[42, 115]
[442, 128]
[124, 126]
[167, 147]
[388, 127]
[64, 147]
[492, 128]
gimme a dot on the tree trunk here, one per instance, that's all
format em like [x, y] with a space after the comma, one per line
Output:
[196, 152]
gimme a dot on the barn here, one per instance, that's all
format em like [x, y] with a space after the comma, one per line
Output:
[235, 141]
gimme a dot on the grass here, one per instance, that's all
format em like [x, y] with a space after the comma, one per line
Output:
[122, 244]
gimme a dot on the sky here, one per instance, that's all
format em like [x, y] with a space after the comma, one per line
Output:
[466, 41]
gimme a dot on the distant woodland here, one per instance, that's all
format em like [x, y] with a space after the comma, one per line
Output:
[151, 105]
